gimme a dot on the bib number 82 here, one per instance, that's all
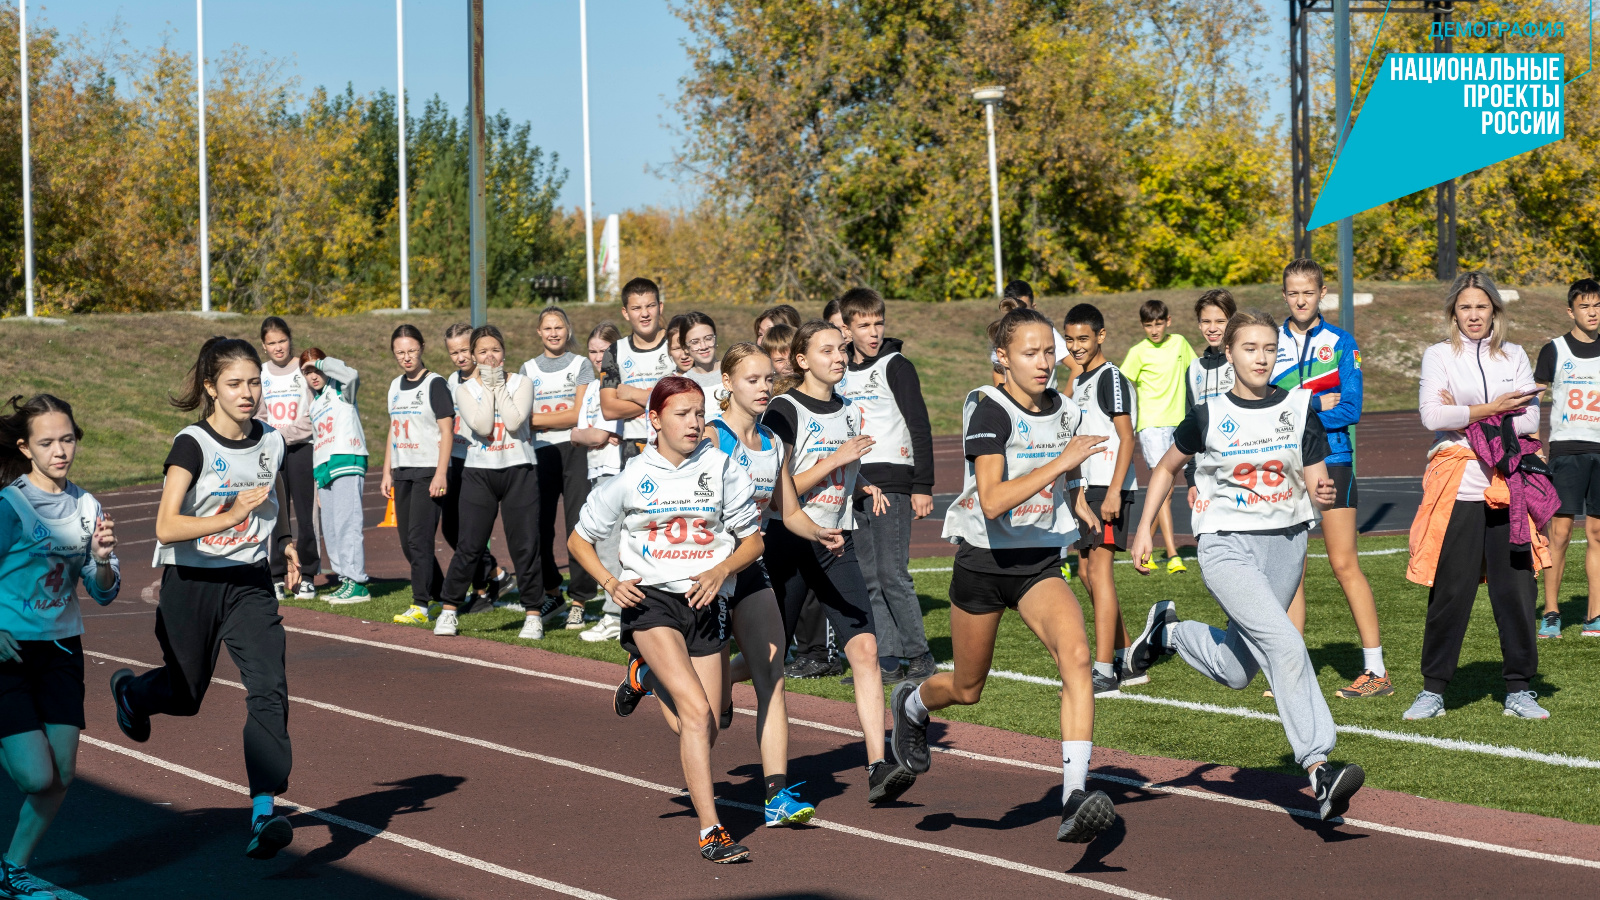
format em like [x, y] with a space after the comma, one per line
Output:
[1270, 474]
[1576, 398]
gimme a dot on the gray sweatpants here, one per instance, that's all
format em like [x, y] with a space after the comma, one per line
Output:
[342, 519]
[1253, 577]
[883, 544]
[609, 550]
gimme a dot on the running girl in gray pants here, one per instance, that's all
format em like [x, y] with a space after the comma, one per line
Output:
[1257, 451]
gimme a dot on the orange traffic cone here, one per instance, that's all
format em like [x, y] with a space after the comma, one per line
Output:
[388, 517]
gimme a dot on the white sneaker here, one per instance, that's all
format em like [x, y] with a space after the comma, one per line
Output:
[446, 623]
[277, 591]
[609, 628]
[532, 629]
[512, 602]
[306, 591]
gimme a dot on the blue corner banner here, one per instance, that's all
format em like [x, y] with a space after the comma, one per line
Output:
[1431, 117]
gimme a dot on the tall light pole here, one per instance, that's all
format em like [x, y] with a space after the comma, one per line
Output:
[400, 111]
[990, 97]
[200, 83]
[27, 166]
[477, 263]
[1341, 81]
[588, 197]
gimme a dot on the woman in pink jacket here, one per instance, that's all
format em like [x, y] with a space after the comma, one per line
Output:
[1471, 376]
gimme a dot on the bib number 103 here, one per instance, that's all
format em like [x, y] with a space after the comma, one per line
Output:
[681, 529]
[1270, 474]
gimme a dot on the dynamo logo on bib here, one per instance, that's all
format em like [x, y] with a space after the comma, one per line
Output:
[40, 532]
[1228, 427]
[1025, 432]
[219, 465]
[647, 487]
[815, 427]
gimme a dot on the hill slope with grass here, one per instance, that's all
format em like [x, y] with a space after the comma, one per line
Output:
[118, 370]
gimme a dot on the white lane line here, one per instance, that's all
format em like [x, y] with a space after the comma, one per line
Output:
[341, 821]
[1391, 551]
[958, 853]
[999, 760]
[1241, 712]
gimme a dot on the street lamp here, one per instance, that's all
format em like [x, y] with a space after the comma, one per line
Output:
[990, 97]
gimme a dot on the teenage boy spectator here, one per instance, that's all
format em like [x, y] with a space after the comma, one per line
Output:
[1018, 294]
[1158, 366]
[1315, 355]
[1210, 375]
[1105, 503]
[882, 383]
[1570, 365]
[634, 364]
[774, 342]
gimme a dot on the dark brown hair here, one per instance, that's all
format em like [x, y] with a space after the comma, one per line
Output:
[407, 331]
[486, 331]
[1153, 311]
[457, 330]
[16, 427]
[1002, 329]
[216, 354]
[274, 323]
[1219, 298]
[860, 302]
[1245, 319]
[782, 314]
[1303, 266]
[778, 337]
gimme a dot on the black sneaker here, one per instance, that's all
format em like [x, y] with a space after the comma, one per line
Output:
[135, 726]
[553, 608]
[909, 739]
[1084, 816]
[631, 690]
[887, 780]
[1105, 685]
[269, 835]
[720, 847]
[806, 667]
[1335, 785]
[725, 721]
[1147, 647]
[922, 668]
[16, 883]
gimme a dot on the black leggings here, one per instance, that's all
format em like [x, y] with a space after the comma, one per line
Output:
[300, 480]
[201, 611]
[514, 494]
[564, 478]
[418, 516]
[796, 565]
[1477, 544]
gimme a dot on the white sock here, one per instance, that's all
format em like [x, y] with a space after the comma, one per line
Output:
[1104, 669]
[915, 708]
[706, 831]
[1074, 766]
[1372, 658]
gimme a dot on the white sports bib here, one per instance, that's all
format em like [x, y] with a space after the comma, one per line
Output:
[1574, 397]
[413, 428]
[1043, 520]
[1205, 384]
[1098, 469]
[336, 428]
[554, 392]
[1249, 476]
[224, 474]
[39, 572]
[641, 369]
[817, 436]
[868, 390]
[502, 449]
[284, 397]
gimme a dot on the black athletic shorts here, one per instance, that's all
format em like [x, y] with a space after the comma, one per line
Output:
[1577, 481]
[799, 566]
[704, 630]
[1344, 486]
[1113, 533]
[44, 687]
[983, 592]
[753, 580]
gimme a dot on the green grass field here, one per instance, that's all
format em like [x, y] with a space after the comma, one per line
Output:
[1570, 669]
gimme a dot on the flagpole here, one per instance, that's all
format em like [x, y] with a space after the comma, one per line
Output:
[27, 164]
[588, 196]
[400, 106]
[200, 84]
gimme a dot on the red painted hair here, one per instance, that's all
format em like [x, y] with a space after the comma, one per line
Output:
[669, 387]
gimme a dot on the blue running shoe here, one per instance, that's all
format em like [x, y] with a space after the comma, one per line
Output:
[1550, 625]
[1591, 628]
[787, 809]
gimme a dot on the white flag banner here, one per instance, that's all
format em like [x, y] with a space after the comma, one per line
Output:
[610, 266]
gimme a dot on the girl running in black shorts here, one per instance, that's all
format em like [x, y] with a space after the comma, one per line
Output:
[1012, 523]
[689, 525]
[220, 509]
[52, 534]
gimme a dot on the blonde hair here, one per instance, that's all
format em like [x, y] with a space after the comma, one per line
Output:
[736, 354]
[1466, 281]
[557, 311]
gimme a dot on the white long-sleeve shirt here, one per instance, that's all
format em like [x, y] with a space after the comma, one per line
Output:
[1473, 375]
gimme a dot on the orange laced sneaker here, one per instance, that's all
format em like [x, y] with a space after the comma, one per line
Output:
[720, 847]
[1367, 684]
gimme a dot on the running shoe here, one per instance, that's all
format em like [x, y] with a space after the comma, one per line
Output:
[609, 628]
[414, 615]
[1428, 705]
[16, 883]
[1367, 684]
[1525, 705]
[306, 590]
[134, 725]
[725, 718]
[1175, 565]
[909, 739]
[277, 591]
[632, 688]
[720, 847]
[1104, 685]
[506, 603]
[502, 585]
[575, 616]
[532, 629]
[553, 608]
[269, 835]
[1150, 644]
[921, 669]
[351, 593]
[1126, 678]
[785, 808]
[1084, 816]
[886, 781]
[807, 667]
[1335, 785]
[1591, 628]
[1550, 626]
[1066, 568]
[445, 626]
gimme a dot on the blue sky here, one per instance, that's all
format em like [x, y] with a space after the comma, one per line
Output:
[531, 66]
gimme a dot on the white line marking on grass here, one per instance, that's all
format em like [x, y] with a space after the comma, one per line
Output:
[330, 818]
[999, 760]
[1241, 712]
[1391, 551]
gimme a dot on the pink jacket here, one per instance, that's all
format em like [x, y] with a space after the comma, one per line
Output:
[1472, 376]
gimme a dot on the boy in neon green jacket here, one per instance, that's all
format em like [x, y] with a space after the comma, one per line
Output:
[1157, 367]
